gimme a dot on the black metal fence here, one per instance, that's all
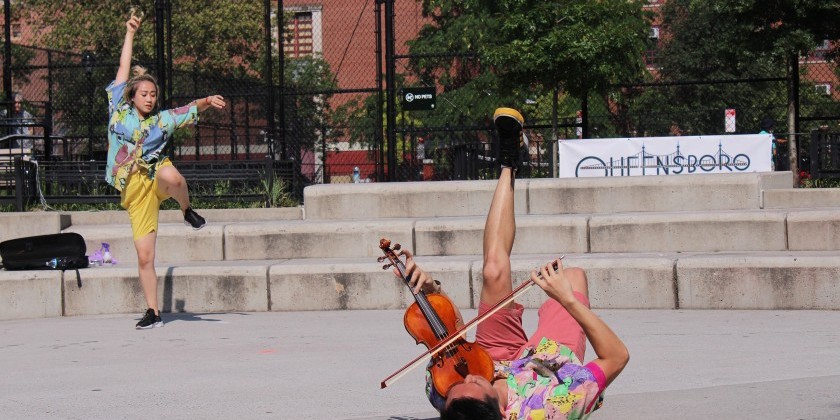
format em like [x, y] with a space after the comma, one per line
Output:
[331, 108]
[824, 154]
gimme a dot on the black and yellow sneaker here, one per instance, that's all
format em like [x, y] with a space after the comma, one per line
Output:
[191, 218]
[508, 122]
[149, 320]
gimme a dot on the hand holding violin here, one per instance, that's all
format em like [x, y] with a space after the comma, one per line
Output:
[418, 279]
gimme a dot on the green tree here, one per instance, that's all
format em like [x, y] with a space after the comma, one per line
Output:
[725, 40]
[211, 52]
[203, 33]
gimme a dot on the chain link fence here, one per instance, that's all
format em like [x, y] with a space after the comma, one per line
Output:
[321, 112]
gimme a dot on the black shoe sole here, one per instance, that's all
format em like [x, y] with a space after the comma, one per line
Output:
[195, 228]
[157, 324]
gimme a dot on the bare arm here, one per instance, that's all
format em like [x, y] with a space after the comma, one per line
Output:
[611, 351]
[125, 56]
[215, 101]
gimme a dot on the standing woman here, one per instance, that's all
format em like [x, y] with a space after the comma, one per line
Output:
[137, 133]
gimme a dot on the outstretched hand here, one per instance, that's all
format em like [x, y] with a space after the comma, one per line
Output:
[554, 283]
[215, 101]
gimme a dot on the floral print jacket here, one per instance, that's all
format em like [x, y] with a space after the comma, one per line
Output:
[545, 382]
[135, 141]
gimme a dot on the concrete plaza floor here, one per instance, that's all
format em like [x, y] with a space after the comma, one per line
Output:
[328, 365]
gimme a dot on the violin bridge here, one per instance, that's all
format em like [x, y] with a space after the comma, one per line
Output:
[462, 368]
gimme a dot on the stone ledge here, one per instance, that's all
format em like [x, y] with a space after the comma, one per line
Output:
[760, 281]
[738, 280]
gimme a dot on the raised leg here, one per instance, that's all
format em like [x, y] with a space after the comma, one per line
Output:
[172, 184]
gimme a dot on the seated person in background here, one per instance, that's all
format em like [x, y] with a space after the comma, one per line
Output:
[17, 122]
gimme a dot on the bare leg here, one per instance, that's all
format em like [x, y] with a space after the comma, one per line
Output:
[173, 184]
[146, 266]
[499, 233]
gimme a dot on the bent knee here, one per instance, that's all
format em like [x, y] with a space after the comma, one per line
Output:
[577, 278]
[170, 176]
[496, 276]
[495, 271]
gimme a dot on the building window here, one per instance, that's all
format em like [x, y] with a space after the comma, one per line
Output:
[821, 51]
[16, 34]
[823, 88]
[652, 47]
[299, 30]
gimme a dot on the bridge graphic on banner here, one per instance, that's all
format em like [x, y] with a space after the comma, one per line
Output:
[675, 162]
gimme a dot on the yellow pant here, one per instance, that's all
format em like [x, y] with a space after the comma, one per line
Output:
[142, 198]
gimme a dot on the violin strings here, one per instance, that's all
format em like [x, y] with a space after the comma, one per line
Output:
[435, 322]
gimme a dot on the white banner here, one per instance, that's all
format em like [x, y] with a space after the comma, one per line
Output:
[665, 155]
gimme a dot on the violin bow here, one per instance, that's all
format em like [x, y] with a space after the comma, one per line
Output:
[428, 354]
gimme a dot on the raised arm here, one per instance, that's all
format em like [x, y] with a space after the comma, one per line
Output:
[611, 351]
[125, 56]
[215, 101]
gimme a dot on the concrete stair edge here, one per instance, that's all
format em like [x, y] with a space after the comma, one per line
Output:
[742, 280]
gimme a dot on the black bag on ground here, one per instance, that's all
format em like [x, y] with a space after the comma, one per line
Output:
[60, 251]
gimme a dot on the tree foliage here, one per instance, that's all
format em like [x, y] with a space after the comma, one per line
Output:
[217, 46]
[580, 46]
[203, 31]
[717, 40]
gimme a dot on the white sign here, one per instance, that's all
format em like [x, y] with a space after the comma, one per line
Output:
[729, 121]
[665, 155]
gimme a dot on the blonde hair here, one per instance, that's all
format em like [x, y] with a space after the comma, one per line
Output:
[139, 74]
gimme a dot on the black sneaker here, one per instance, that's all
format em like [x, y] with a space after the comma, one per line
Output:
[191, 218]
[149, 320]
[508, 122]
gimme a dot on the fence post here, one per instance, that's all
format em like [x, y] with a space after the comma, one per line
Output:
[815, 154]
[584, 116]
[554, 136]
[7, 50]
[48, 116]
[18, 183]
[281, 75]
[269, 69]
[390, 70]
[793, 115]
[160, 48]
[378, 138]
[24, 182]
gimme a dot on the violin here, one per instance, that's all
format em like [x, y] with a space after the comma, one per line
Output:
[431, 320]
[457, 335]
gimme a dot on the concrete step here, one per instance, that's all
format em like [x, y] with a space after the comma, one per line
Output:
[787, 198]
[708, 231]
[175, 242]
[737, 280]
[544, 196]
[22, 224]
[120, 217]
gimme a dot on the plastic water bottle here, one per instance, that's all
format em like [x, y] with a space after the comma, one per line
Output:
[106, 253]
[53, 263]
